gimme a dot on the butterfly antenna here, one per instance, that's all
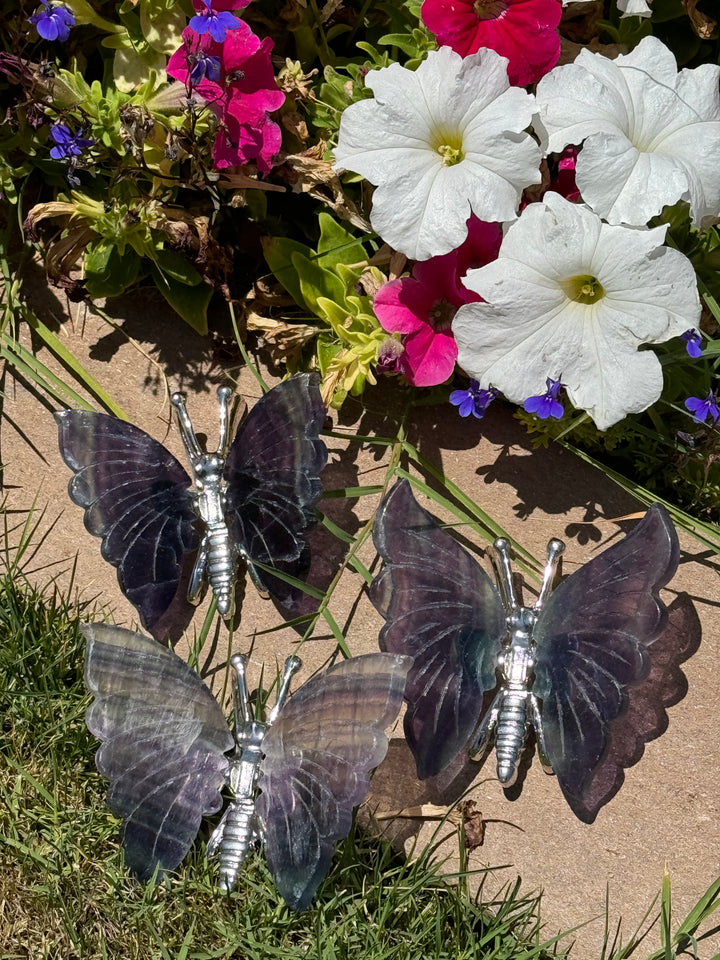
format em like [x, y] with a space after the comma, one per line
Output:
[241, 695]
[555, 549]
[226, 413]
[187, 433]
[505, 575]
[292, 665]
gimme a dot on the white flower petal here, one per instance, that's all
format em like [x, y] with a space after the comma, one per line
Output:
[529, 329]
[651, 136]
[634, 8]
[564, 245]
[422, 202]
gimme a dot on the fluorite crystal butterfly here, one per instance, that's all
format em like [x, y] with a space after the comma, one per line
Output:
[166, 533]
[293, 781]
[591, 665]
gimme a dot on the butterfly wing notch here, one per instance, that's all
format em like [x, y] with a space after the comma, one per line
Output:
[443, 610]
[164, 740]
[601, 639]
[273, 480]
[138, 499]
[318, 757]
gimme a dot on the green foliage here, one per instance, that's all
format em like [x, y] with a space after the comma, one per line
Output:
[348, 343]
[62, 869]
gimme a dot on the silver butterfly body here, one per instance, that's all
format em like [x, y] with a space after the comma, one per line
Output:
[216, 557]
[240, 827]
[515, 706]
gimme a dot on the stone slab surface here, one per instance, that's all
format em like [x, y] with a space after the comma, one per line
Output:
[668, 812]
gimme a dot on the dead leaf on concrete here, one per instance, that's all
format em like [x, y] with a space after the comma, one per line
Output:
[463, 814]
[284, 341]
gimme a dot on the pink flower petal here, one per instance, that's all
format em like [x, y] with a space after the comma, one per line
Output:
[257, 139]
[429, 357]
[422, 306]
[523, 31]
[243, 100]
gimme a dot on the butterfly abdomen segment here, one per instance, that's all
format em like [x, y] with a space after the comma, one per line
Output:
[238, 828]
[220, 565]
[510, 734]
[239, 833]
[515, 705]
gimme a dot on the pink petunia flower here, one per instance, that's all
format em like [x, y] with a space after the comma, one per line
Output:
[523, 31]
[564, 183]
[422, 306]
[242, 95]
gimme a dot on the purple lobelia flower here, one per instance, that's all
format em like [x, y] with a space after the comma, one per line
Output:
[473, 400]
[203, 67]
[702, 409]
[214, 22]
[693, 343]
[67, 143]
[52, 21]
[546, 404]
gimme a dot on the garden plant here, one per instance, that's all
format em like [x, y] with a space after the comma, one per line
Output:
[475, 203]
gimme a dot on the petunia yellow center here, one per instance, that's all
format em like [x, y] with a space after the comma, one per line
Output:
[584, 289]
[441, 314]
[447, 141]
[489, 9]
[450, 154]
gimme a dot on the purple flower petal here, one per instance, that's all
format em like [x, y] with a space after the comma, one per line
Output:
[53, 21]
[546, 404]
[216, 22]
[203, 67]
[68, 144]
[702, 409]
[693, 343]
[473, 400]
[200, 23]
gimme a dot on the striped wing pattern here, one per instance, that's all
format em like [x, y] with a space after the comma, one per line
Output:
[164, 739]
[318, 757]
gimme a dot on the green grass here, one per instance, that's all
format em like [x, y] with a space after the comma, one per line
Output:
[65, 892]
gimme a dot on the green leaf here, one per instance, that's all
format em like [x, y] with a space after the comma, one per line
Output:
[56, 346]
[189, 300]
[316, 282]
[338, 242]
[163, 29]
[326, 351]
[131, 67]
[278, 255]
[107, 274]
[177, 267]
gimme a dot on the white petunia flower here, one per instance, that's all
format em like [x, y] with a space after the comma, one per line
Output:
[635, 8]
[572, 298]
[440, 143]
[651, 136]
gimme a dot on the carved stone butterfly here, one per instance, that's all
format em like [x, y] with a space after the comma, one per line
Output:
[166, 533]
[293, 780]
[589, 665]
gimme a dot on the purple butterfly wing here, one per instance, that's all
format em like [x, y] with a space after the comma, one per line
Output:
[164, 743]
[603, 669]
[442, 609]
[318, 757]
[273, 476]
[137, 498]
